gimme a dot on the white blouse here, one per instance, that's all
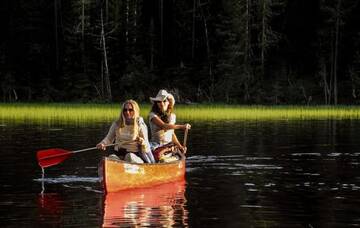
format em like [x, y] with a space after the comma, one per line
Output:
[159, 135]
[125, 137]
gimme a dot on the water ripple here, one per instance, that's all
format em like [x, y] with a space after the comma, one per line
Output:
[68, 179]
[232, 162]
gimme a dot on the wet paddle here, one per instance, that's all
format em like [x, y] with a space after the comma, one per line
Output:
[54, 156]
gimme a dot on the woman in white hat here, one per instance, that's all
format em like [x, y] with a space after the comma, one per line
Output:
[130, 135]
[162, 122]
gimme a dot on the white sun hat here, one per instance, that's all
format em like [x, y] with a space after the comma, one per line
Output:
[162, 95]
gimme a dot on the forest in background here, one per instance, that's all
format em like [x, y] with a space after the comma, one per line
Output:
[229, 51]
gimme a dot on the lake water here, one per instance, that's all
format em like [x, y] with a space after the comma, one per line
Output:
[239, 174]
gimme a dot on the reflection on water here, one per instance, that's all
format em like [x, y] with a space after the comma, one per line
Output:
[50, 206]
[159, 206]
[276, 174]
[238, 174]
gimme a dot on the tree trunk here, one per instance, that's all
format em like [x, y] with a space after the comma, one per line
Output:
[135, 21]
[82, 45]
[331, 68]
[323, 73]
[102, 88]
[193, 31]
[56, 35]
[263, 35]
[127, 23]
[247, 33]
[106, 75]
[336, 51]
[161, 27]
[247, 56]
[82, 19]
[211, 76]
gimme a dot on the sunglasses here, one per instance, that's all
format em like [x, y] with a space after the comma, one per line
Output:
[164, 101]
[128, 110]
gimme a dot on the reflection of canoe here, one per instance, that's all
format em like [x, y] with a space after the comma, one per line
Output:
[118, 175]
[159, 205]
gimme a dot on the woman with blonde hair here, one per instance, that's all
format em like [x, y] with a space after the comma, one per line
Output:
[130, 135]
[162, 121]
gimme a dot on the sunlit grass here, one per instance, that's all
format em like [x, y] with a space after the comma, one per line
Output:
[237, 112]
[58, 112]
[84, 113]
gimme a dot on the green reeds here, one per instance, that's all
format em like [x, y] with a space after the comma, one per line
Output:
[257, 112]
[57, 112]
[85, 113]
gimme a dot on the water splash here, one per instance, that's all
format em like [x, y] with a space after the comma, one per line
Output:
[68, 179]
[42, 181]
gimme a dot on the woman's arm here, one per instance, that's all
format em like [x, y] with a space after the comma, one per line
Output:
[167, 126]
[109, 138]
[177, 143]
[144, 135]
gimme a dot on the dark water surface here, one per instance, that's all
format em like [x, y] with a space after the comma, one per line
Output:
[239, 174]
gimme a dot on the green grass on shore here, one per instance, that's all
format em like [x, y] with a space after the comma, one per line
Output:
[70, 112]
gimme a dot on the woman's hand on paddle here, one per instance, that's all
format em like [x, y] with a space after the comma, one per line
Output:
[143, 145]
[183, 149]
[140, 140]
[186, 126]
[101, 146]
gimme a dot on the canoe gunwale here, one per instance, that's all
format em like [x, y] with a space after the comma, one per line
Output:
[145, 164]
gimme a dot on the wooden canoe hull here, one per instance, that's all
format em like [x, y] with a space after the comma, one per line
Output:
[117, 175]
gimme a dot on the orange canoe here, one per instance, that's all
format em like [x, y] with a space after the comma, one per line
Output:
[117, 175]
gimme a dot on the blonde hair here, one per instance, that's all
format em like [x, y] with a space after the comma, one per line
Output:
[121, 121]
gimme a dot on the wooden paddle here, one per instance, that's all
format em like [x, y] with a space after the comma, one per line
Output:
[54, 156]
[185, 137]
[185, 140]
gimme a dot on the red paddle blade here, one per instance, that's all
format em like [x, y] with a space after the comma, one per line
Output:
[52, 157]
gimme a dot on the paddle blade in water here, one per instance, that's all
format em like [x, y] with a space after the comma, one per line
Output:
[52, 157]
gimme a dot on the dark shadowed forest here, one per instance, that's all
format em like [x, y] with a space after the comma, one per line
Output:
[230, 51]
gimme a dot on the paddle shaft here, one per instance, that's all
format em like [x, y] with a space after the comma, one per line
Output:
[185, 136]
[91, 148]
[73, 152]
